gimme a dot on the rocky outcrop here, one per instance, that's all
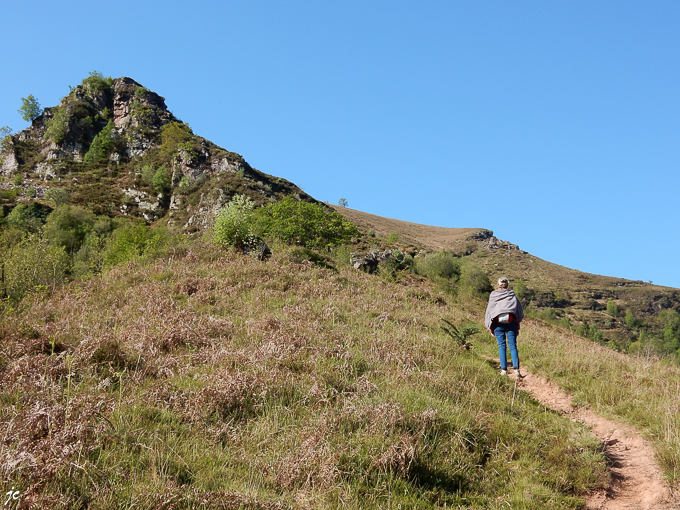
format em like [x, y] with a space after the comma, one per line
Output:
[481, 235]
[370, 262]
[9, 163]
[205, 213]
[491, 242]
[115, 129]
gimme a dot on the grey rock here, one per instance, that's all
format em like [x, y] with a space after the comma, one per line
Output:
[481, 235]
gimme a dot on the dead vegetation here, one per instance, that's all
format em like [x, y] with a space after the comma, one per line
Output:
[212, 380]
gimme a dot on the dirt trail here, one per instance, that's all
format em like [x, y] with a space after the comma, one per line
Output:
[636, 480]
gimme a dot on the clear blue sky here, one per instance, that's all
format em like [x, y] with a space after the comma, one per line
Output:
[555, 124]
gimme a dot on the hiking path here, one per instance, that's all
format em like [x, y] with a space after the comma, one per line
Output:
[636, 482]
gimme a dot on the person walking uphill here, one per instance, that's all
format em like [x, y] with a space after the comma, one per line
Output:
[503, 315]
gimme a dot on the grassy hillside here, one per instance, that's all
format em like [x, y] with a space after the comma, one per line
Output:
[628, 316]
[207, 379]
[141, 367]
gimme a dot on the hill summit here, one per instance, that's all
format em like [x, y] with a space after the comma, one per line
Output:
[114, 146]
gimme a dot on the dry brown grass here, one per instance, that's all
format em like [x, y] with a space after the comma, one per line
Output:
[213, 377]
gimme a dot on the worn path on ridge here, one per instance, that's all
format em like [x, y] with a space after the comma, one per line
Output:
[636, 482]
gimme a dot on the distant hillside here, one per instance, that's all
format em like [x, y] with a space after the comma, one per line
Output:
[425, 236]
[628, 315]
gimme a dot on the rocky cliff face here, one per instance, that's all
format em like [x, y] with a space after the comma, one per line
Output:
[115, 148]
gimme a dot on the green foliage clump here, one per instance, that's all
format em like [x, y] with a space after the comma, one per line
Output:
[439, 265]
[162, 179]
[234, 222]
[590, 331]
[57, 126]
[172, 135]
[668, 342]
[132, 241]
[459, 334]
[68, 226]
[28, 217]
[303, 224]
[33, 264]
[91, 256]
[147, 172]
[612, 308]
[58, 196]
[523, 293]
[397, 262]
[474, 280]
[96, 82]
[102, 146]
[30, 108]
[188, 185]
[141, 92]
[188, 150]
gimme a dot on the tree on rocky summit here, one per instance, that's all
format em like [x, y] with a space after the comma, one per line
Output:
[30, 108]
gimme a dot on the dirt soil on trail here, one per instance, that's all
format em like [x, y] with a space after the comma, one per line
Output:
[636, 480]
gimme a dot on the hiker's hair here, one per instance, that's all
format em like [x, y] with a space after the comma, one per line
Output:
[503, 282]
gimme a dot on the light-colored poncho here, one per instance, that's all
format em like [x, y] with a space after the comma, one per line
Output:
[502, 301]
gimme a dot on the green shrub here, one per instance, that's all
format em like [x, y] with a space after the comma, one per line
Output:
[28, 217]
[162, 179]
[234, 222]
[58, 196]
[441, 264]
[474, 280]
[67, 226]
[141, 92]
[102, 146]
[147, 172]
[96, 82]
[303, 224]
[131, 241]
[523, 293]
[57, 126]
[612, 308]
[172, 135]
[186, 185]
[34, 264]
[5, 138]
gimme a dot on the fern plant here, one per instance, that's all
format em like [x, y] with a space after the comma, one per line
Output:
[459, 334]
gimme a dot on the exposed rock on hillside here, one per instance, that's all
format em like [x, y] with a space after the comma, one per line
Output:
[494, 243]
[491, 242]
[115, 148]
[482, 235]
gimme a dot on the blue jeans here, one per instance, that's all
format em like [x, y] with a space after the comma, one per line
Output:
[510, 331]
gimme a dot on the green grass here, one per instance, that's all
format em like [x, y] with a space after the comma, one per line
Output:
[642, 391]
[270, 385]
